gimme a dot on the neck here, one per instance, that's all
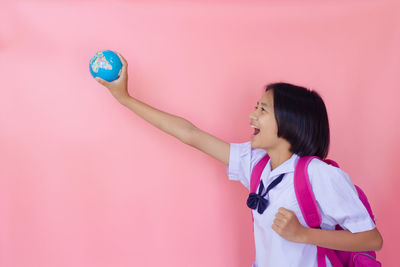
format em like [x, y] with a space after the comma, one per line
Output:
[278, 157]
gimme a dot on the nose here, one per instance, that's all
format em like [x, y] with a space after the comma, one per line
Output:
[252, 115]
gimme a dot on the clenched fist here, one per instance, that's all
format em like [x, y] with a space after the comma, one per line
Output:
[287, 226]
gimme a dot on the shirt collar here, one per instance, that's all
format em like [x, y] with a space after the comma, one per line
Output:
[286, 167]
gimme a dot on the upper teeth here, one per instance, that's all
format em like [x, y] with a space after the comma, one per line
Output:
[254, 126]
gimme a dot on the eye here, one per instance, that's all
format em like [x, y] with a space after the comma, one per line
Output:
[262, 109]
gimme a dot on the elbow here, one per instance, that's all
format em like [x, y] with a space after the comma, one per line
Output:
[377, 242]
[188, 135]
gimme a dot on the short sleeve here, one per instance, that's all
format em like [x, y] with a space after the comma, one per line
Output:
[338, 198]
[242, 159]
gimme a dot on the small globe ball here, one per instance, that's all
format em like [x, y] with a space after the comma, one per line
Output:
[106, 65]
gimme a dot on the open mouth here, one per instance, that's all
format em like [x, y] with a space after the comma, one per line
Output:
[256, 130]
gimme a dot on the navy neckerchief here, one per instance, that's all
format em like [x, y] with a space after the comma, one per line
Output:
[257, 200]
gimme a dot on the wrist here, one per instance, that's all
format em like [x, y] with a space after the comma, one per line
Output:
[305, 236]
[124, 99]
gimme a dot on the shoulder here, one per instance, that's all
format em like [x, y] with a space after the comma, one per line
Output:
[338, 198]
[242, 159]
[327, 176]
[244, 151]
[318, 167]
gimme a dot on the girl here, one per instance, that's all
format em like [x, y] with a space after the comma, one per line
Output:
[289, 122]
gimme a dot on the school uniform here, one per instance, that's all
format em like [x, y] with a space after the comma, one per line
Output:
[336, 197]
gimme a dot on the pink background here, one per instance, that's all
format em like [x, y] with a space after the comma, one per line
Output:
[85, 182]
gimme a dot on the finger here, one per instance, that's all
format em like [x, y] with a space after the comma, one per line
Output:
[123, 60]
[122, 74]
[279, 222]
[123, 70]
[279, 216]
[276, 228]
[285, 212]
[101, 81]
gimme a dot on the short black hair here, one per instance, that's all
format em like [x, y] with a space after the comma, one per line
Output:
[302, 119]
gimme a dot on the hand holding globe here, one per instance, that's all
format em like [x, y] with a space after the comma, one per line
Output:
[119, 86]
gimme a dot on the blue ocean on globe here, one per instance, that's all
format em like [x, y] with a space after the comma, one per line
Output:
[106, 65]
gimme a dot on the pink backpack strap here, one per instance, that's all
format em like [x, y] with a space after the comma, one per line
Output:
[309, 208]
[333, 258]
[304, 194]
[364, 200]
[256, 176]
[256, 173]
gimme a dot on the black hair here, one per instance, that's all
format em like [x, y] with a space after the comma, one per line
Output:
[301, 118]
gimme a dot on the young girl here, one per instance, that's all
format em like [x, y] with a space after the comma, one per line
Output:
[289, 122]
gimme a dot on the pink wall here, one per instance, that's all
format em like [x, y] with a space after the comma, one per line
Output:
[85, 182]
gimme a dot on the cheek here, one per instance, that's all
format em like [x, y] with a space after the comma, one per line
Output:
[275, 128]
[270, 126]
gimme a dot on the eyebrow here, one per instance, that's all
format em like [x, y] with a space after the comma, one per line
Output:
[263, 104]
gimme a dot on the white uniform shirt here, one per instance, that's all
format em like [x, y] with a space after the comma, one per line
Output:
[336, 196]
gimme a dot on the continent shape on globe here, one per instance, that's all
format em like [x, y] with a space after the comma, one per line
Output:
[100, 62]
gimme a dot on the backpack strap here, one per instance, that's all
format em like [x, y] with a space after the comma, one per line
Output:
[309, 208]
[364, 200]
[304, 194]
[256, 176]
[256, 173]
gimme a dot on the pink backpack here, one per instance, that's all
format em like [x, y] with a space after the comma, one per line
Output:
[312, 216]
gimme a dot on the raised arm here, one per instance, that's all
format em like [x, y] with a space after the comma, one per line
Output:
[171, 124]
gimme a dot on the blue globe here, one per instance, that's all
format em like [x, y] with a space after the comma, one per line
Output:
[106, 65]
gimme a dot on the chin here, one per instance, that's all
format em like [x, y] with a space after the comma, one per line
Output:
[256, 143]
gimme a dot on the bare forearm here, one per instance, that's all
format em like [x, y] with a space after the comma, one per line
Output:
[171, 124]
[344, 240]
